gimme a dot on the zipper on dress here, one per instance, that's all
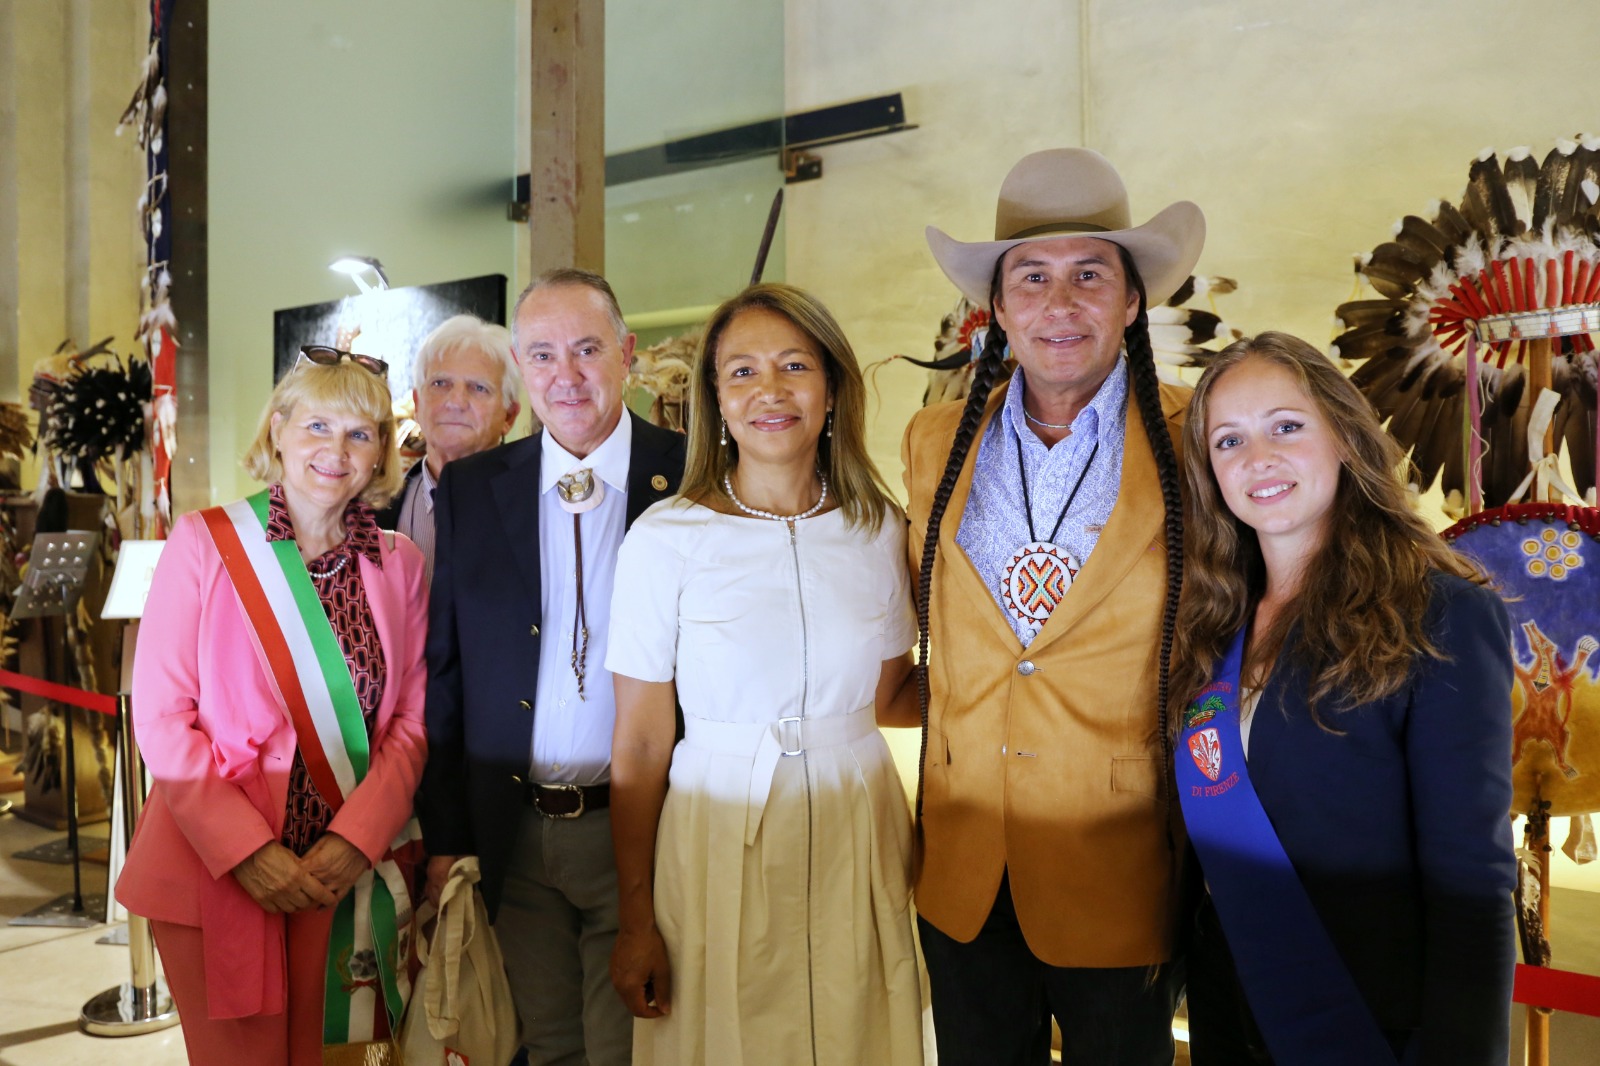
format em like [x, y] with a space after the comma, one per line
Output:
[805, 769]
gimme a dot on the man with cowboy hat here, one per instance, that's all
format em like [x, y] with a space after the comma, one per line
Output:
[1048, 505]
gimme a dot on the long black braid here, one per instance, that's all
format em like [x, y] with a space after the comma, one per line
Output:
[1147, 395]
[990, 368]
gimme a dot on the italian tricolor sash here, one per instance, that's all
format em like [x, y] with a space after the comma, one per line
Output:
[301, 655]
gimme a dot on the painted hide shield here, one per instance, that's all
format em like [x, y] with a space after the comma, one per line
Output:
[1545, 559]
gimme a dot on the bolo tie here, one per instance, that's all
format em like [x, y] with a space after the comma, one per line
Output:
[579, 491]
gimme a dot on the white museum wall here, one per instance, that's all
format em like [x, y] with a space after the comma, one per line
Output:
[1304, 130]
[367, 127]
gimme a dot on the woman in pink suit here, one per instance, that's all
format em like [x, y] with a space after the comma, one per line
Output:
[277, 698]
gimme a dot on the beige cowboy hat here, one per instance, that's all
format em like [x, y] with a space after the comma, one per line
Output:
[1075, 192]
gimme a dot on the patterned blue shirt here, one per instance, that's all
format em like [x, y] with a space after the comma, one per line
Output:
[995, 523]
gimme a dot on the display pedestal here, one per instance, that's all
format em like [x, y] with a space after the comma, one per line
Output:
[44, 799]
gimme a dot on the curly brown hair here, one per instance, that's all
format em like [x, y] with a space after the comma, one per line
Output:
[1359, 617]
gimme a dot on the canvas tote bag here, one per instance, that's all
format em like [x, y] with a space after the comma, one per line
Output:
[461, 1013]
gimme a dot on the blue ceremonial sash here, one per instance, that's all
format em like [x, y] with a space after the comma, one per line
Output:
[1304, 1000]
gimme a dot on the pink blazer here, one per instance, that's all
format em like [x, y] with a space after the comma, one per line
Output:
[219, 747]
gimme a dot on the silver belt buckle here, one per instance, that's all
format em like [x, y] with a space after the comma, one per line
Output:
[799, 737]
[559, 788]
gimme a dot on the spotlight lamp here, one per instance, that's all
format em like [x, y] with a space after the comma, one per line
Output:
[356, 266]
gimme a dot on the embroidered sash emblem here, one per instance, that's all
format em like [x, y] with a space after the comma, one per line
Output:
[1206, 752]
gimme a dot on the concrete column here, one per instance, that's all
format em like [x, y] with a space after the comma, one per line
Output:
[9, 269]
[41, 85]
[70, 249]
[113, 48]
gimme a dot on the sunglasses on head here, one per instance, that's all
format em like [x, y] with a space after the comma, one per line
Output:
[327, 355]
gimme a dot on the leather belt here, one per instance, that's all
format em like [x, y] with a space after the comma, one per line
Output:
[565, 801]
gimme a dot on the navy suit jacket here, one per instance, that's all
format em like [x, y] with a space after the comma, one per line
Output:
[484, 641]
[1399, 826]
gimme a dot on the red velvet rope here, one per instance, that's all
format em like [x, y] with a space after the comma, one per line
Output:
[1575, 993]
[92, 701]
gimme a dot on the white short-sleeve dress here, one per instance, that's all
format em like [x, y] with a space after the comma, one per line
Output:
[782, 860]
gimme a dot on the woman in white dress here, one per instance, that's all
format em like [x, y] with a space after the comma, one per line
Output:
[764, 882]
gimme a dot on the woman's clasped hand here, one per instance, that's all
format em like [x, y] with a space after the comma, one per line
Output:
[283, 883]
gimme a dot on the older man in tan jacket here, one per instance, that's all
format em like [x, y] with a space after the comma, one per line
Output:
[1048, 862]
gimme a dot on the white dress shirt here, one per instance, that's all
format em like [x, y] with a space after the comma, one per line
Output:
[572, 737]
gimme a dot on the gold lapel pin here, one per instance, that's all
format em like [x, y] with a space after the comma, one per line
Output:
[659, 483]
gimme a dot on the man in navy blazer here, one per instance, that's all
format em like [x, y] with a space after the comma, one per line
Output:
[519, 707]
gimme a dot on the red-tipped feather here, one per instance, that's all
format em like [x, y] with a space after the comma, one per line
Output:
[1468, 294]
[1502, 301]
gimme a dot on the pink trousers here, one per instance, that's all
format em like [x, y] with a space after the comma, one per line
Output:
[293, 1038]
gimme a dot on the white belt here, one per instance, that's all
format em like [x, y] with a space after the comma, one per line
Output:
[764, 743]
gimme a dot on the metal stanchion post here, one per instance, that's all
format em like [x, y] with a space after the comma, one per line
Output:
[141, 1005]
[70, 773]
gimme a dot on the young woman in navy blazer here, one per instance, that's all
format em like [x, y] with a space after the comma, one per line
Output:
[1379, 741]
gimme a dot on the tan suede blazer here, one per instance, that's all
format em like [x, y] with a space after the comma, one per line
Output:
[1053, 774]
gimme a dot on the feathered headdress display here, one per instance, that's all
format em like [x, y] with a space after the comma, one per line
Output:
[16, 435]
[1524, 242]
[1480, 357]
[1180, 336]
[662, 370]
[96, 420]
[98, 412]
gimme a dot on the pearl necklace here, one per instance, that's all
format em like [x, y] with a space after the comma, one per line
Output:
[755, 512]
[334, 569]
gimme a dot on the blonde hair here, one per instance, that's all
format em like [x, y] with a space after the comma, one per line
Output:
[348, 389]
[1360, 612]
[853, 480]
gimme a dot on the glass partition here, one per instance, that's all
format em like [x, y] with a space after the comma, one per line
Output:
[694, 107]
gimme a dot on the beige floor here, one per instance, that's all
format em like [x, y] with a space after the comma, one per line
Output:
[47, 974]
